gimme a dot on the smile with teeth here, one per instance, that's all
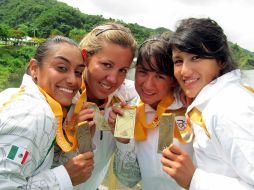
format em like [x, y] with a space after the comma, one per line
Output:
[66, 90]
[107, 87]
[189, 81]
[148, 93]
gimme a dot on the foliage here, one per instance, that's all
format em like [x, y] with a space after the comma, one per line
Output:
[77, 34]
[40, 19]
[13, 63]
[4, 32]
[244, 57]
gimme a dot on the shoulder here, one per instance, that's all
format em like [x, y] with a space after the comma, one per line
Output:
[26, 105]
[127, 91]
[127, 84]
[7, 93]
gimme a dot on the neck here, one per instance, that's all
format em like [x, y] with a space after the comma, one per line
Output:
[154, 105]
[98, 102]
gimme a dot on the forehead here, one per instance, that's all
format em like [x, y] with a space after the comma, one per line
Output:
[116, 53]
[148, 64]
[65, 51]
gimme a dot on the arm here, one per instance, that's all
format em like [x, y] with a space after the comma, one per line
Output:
[32, 134]
[236, 143]
[125, 165]
[79, 165]
[178, 164]
[234, 138]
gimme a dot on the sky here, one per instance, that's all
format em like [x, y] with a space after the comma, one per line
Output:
[236, 17]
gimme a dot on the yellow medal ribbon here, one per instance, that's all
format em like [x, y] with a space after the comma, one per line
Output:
[14, 96]
[70, 143]
[186, 135]
[58, 113]
[141, 126]
[196, 116]
[69, 128]
[249, 88]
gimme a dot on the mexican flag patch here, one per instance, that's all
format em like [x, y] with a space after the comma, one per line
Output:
[17, 154]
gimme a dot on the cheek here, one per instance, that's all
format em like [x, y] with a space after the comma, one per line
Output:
[79, 81]
[93, 75]
[137, 86]
[176, 73]
[120, 80]
[164, 89]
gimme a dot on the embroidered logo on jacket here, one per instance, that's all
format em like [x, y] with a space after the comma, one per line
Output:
[17, 154]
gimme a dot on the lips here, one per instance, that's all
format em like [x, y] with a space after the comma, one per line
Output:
[190, 81]
[105, 86]
[147, 93]
[70, 91]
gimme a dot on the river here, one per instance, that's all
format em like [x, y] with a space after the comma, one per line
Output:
[248, 77]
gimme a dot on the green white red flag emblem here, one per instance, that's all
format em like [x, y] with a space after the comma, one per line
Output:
[17, 154]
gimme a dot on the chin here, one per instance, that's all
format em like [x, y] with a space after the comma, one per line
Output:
[65, 103]
[102, 96]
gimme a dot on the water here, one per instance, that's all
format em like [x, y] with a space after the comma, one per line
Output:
[248, 77]
[130, 74]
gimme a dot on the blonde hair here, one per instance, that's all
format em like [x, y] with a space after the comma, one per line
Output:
[108, 33]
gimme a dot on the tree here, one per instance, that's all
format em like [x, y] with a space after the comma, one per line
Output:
[55, 32]
[5, 32]
[77, 34]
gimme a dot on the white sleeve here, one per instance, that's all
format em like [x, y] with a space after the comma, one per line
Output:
[202, 180]
[29, 133]
[128, 92]
[63, 178]
[125, 165]
[235, 135]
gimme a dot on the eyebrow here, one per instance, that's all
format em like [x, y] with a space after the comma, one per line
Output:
[176, 56]
[68, 61]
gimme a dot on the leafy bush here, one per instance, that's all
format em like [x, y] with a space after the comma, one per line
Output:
[13, 63]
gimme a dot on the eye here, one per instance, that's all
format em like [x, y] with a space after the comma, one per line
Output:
[78, 73]
[141, 71]
[124, 71]
[196, 57]
[160, 76]
[177, 61]
[62, 68]
[107, 65]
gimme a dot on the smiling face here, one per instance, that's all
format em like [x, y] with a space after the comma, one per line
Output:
[192, 72]
[106, 70]
[60, 73]
[152, 86]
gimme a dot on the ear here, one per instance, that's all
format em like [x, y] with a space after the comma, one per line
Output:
[33, 68]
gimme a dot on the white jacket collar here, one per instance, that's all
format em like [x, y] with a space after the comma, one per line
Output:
[215, 86]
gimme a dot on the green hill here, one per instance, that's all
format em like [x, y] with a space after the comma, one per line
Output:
[41, 18]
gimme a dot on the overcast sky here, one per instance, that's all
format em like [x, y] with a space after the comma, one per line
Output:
[235, 16]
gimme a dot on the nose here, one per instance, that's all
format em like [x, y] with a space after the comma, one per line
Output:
[149, 82]
[113, 77]
[185, 69]
[72, 79]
